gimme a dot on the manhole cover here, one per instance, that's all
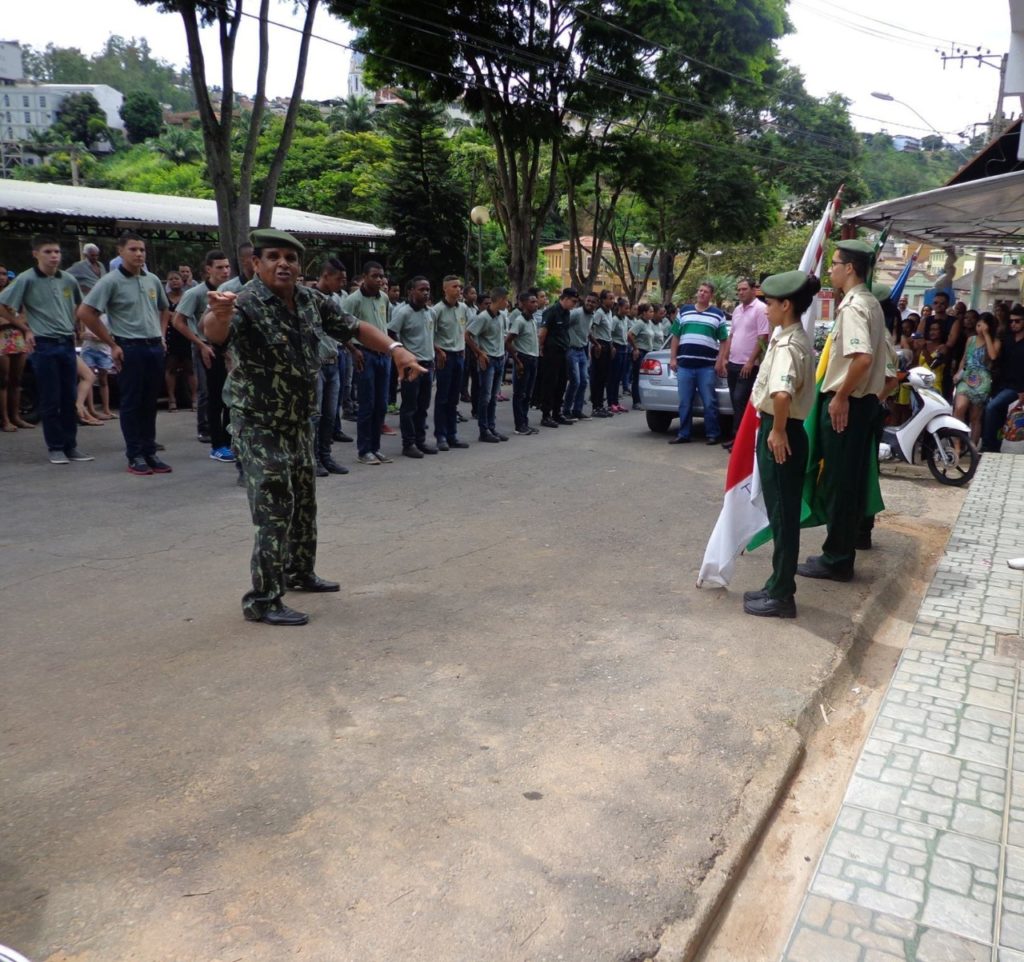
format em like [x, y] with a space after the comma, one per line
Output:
[1010, 646]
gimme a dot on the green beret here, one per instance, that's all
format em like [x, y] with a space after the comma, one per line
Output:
[856, 247]
[882, 291]
[268, 237]
[782, 286]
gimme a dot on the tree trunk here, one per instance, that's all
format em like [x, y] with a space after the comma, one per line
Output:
[269, 195]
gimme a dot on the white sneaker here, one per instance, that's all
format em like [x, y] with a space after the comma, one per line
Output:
[368, 458]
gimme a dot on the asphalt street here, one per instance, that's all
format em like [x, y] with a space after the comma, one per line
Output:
[519, 733]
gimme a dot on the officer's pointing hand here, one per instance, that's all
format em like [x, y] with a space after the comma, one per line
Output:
[221, 303]
[406, 363]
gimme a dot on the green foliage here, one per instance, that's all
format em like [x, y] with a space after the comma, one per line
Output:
[180, 145]
[143, 118]
[142, 169]
[889, 173]
[125, 65]
[423, 201]
[58, 167]
[80, 120]
[355, 114]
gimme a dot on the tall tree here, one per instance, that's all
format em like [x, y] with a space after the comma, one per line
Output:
[233, 192]
[142, 115]
[525, 65]
[422, 200]
[80, 119]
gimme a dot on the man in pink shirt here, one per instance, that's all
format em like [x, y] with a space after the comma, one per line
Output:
[742, 352]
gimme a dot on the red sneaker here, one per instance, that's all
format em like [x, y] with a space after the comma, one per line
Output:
[387, 430]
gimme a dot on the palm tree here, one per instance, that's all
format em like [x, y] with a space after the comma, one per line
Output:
[179, 145]
[356, 114]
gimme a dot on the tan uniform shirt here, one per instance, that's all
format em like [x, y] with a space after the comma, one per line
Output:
[859, 329]
[788, 366]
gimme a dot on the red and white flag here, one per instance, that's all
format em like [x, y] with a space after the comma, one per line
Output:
[743, 513]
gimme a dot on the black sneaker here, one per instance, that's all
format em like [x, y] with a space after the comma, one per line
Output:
[426, 448]
[156, 465]
[580, 416]
[333, 467]
[138, 466]
[320, 470]
[203, 438]
[458, 444]
[442, 444]
[562, 419]
[548, 423]
[412, 452]
[500, 436]
[341, 436]
[525, 430]
[489, 438]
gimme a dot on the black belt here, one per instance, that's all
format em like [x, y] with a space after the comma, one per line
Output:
[50, 339]
[150, 341]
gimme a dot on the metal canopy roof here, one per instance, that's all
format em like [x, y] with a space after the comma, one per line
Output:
[988, 213]
[129, 210]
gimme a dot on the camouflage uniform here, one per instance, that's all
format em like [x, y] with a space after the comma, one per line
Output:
[273, 395]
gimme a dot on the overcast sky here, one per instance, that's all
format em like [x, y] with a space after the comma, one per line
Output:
[873, 45]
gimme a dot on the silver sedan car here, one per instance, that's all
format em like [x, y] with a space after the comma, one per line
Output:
[660, 396]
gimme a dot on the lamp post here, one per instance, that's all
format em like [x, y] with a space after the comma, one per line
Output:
[639, 250]
[889, 98]
[708, 255]
[480, 215]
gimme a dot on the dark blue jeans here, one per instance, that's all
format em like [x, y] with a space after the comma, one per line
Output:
[522, 390]
[372, 387]
[487, 399]
[995, 415]
[56, 373]
[446, 395]
[702, 380]
[576, 370]
[619, 361]
[140, 380]
[415, 406]
[328, 386]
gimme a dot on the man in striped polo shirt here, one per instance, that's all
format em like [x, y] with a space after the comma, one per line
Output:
[698, 338]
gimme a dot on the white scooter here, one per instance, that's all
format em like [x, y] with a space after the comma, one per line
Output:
[931, 435]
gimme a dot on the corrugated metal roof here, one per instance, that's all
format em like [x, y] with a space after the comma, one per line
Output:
[128, 208]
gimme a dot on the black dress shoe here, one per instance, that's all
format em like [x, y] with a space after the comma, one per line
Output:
[754, 595]
[548, 423]
[321, 471]
[442, 444]
[771, 607]
[341, 436]
[458, 444]
[412, 452]
[313, 583]
[426, 448]
[562, 419]
[489, 438]
[500, 436]
[814, 567]
[333, 467]
[280, 614]
[678, 440]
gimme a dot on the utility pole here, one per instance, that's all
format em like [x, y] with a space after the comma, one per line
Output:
[998, 123]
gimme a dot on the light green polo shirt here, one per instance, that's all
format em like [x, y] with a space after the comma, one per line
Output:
[487, 331]
[450, 326]
[644, 335]
[579, 332]
[601, 326]
[193, 306]
[415, 329]
[373, 310]
[619, 329]
[525, 331]
[48, 302]
[132, 303]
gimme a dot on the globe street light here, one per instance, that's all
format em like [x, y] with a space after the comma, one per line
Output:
[707, 266]
[480, 215]
[889, 98]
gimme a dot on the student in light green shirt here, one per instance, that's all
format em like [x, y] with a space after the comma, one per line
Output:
[484, 337]
[642, 337]
[48, 297]
[136, 306]
[523, 343]
[451, 318]
[412, 323]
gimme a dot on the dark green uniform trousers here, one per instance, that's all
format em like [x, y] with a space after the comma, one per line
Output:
[277, 464]
[844, 477]
[783, 486]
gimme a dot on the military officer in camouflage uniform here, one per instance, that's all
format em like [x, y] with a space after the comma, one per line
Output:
[274, 327]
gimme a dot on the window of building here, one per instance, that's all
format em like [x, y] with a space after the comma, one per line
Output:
[7, 100]
[24, 101]
[42, 101]
[28, 117]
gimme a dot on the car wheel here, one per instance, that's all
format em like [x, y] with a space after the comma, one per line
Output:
[660, 421]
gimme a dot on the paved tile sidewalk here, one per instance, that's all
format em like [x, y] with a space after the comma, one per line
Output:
[925, 861]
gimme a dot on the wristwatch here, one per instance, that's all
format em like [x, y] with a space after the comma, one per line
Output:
[393, 345]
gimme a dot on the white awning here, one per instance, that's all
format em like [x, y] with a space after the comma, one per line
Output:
[987, 213]
[129, 210]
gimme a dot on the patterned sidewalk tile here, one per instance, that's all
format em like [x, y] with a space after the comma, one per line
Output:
[1011, 929]
[933, 705]
[911, 871]
[829, 931]
[941, 790]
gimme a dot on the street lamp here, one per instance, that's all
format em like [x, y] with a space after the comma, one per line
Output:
[480, 215]
[639, 251]
[707, 266]
[889, 98]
